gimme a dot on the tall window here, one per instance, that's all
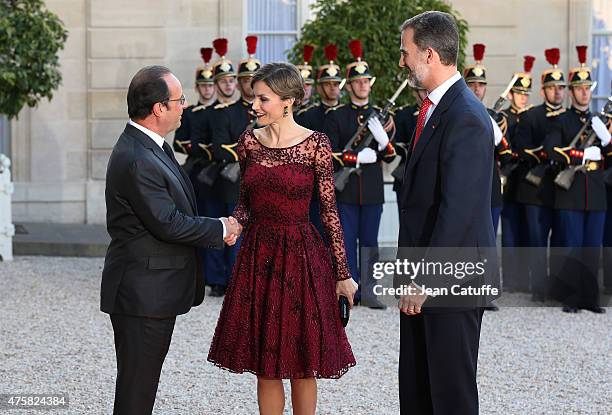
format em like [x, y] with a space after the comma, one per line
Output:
[602, 51]
[275, 23]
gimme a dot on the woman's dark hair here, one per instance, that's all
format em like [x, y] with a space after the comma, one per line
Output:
[436, 30]
[283, 79]
[147, 88]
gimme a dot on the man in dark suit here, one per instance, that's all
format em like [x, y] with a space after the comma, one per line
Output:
[445, 201]
[151, 271]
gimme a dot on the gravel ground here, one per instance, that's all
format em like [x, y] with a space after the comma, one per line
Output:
[55, 339]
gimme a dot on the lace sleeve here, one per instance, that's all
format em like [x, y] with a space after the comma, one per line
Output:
[241, 212]
[329, 212]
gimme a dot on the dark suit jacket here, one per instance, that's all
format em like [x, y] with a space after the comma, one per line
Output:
[445, 199]
[152, 268]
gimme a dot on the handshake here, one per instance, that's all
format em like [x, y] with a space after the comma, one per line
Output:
[233, 230]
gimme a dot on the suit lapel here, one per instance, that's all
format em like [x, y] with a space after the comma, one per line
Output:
[176, 171]
[161, 155]
[433, 122]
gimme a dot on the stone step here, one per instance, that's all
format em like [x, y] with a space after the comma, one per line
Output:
[57, 239]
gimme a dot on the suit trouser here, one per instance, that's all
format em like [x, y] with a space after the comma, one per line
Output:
[141, 345]
[495, 212]
[438, 362]
[607, 248]
[219, 263]
[577, 251]
[514, 263]
[359, 223]
[539, 226]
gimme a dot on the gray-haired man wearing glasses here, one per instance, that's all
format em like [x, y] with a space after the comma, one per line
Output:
[151, 271]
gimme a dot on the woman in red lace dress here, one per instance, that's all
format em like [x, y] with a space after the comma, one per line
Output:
[280, 317]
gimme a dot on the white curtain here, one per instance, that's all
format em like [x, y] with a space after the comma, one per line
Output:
[601, 52]
[275, 23]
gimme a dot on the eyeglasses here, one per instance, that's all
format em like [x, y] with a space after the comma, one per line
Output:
[180, 100]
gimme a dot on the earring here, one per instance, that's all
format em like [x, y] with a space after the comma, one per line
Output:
[286, 112]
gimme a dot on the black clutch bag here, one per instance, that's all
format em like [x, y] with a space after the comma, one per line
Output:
[345, 310]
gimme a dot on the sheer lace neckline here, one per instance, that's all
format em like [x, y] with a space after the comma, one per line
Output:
[281, 148]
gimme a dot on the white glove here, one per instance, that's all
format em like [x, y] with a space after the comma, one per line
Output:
[366, 156]
[497, 133]
[379, 133]
[592, 153]
[601, 130]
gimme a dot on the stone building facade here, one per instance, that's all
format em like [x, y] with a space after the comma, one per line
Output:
[60, 149]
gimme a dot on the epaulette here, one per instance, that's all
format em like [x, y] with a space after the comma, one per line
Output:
[334, 108]
[527, 108]
[199, 107]
[555, 113]
[376, 107]
[303, 110]
[221, 105]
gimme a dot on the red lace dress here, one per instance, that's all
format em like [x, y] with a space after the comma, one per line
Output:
[280, 317]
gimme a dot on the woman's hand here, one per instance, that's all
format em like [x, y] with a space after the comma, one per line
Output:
[347, 288]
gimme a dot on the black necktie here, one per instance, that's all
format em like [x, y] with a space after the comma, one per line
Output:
[169, 153]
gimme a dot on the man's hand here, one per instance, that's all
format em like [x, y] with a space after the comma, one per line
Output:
[366, 156]
[378, 132]
[233, 230]
[601, 130]
[592, 153]
[411, 304]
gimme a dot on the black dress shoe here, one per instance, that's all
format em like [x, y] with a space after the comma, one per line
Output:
[572, 310]
[491, 307]
[595, 309]
[217, 291]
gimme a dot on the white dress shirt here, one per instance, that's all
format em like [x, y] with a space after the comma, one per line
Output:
[159, 140]
[436, 95]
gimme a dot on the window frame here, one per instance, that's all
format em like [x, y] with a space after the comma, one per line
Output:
[303, 13]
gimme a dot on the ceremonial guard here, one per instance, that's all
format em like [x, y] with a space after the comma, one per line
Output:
[513, 236]
[607, 243]
[230, 120]
[578, 143]
[360, 200]
[203, 170]
[313, 116]
[306, 72]
[535, 175]
[405, 124]
[190, 121]
[476, 78]
[328, 89]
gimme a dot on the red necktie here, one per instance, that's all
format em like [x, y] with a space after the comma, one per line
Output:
[421, 120]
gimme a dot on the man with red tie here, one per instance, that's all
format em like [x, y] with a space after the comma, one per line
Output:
[445, 202]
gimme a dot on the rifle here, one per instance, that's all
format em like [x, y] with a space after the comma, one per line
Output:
[505, 171]
[565, 178]
[503, 97]
[360, 140]
[537, 173]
